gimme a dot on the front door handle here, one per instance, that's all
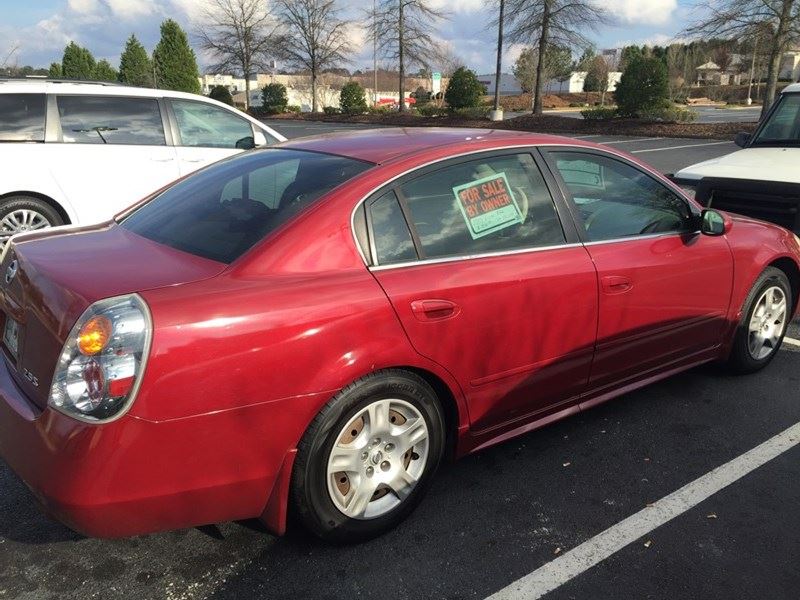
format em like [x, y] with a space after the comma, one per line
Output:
[616, 284]
[434, 310]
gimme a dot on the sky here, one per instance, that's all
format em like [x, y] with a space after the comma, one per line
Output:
[39, 29]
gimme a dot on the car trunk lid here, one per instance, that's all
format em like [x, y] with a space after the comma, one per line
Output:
[48, 280]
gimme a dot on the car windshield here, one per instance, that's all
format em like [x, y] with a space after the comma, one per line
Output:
[224, 210]
[783, 126]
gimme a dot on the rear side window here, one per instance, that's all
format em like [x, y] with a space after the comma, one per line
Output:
[111, 120]
[22, 117]
[486, 205]
[222, 211]
[392, 238]
[202, 124]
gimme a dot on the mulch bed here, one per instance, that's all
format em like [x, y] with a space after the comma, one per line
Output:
[543, 124]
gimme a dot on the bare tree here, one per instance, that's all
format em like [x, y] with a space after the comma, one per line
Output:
[741, 19]
[8, 56]
[546, 23]
[404, 32]
[313, 37]
[238, 35]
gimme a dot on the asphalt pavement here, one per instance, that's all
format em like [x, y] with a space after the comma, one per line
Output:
[496, 519]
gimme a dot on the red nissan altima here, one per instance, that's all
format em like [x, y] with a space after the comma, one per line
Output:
[314, 326]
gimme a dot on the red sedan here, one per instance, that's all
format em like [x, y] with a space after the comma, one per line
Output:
[313, 327]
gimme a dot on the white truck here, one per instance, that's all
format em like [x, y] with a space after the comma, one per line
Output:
[761, 180]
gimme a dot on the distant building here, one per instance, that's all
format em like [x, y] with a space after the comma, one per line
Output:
[710, 73]
[790, 66]
[575, 82]
[509, 85]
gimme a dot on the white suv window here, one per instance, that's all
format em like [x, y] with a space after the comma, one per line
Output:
[111, 120]
[22, 117]
[202, 124]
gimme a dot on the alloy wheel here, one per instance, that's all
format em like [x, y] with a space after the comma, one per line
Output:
[767, 323]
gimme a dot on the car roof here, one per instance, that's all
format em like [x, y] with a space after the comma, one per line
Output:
[42, 85]
[794, 87]
[383, 145]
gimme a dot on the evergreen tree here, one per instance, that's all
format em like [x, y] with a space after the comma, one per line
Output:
[352, 99]
[464, 89]
[135, 67]
[55, 71]
[644, 87]
[103, 71]
[221, 94]
[175, 61]
[78, 62]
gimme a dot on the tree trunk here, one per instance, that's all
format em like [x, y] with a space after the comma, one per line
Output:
[314, 90]
[246, 87]
[779, 44]
[499, 69]
[400, 48]
[543, 40]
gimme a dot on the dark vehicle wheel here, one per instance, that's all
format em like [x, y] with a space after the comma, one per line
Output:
[768, 309]
[368, 457]
[19, 214]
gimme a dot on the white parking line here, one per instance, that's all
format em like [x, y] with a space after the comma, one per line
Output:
[632, 141]
[791, 342]
[680, 147]
[582, 558]
[585, 137]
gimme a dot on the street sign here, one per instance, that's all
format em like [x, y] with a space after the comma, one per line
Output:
[436, 83]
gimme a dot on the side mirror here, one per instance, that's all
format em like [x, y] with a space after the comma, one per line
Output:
[742, 139]
[713, 223]
[246, 143]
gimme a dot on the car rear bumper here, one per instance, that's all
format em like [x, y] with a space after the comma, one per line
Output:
[134, 476]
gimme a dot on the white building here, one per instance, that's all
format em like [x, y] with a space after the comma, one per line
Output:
[234, 84]
[575, 82]
[790, 66]
[508, 84]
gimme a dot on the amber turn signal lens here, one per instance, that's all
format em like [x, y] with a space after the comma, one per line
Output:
[94, 335]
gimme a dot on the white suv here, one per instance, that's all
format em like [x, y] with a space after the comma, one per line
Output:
[74, 152]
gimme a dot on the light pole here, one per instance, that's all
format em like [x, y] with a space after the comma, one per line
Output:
[497, 113]
[374, 53]
[752, 72]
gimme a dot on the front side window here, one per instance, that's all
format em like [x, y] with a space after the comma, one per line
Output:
[482, 206]
[222, 211]
[783, 126]
[615, 200]
[111, 120]
[22, 117]
[203, 124]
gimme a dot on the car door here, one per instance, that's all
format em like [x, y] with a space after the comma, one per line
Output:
[109, 152]
[206, 133]
[664, 287]
[488, 283]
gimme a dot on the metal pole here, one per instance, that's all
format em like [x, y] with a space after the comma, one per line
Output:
[374, 53]
[752, 72]
[499, 57]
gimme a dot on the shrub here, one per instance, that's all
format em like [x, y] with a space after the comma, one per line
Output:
[378, 110]
[293, 108]
[471, 112]
[599, 114]
[352, 99]
[464, 89]
[332, 110]
[221, 94]
[672, 114]
[644, 87]
[431, 110]
[422, 96]
[274, 98]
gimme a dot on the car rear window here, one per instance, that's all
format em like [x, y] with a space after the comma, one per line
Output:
[222, 211]
[22, 117]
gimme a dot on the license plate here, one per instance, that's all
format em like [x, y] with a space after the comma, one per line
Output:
[11, 336]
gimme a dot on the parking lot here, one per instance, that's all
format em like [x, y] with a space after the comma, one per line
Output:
[494, 521]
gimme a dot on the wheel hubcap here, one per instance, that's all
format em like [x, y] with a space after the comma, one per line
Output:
[20, 221]
[377, 459]
[767, 323]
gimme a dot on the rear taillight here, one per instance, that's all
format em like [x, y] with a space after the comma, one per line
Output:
[100, 368]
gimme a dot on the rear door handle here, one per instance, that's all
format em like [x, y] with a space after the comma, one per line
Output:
[434, 310]
[616, 284]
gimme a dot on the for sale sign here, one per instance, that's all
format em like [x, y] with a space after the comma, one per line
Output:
[488, 205]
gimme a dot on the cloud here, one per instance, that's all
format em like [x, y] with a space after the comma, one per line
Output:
[128, 10]
[656, 39]
[644, 12]
[84, 6]
[462, 6]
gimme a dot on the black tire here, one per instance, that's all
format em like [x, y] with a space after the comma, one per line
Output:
[310, 497]
[17, 203]
[741, 360]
